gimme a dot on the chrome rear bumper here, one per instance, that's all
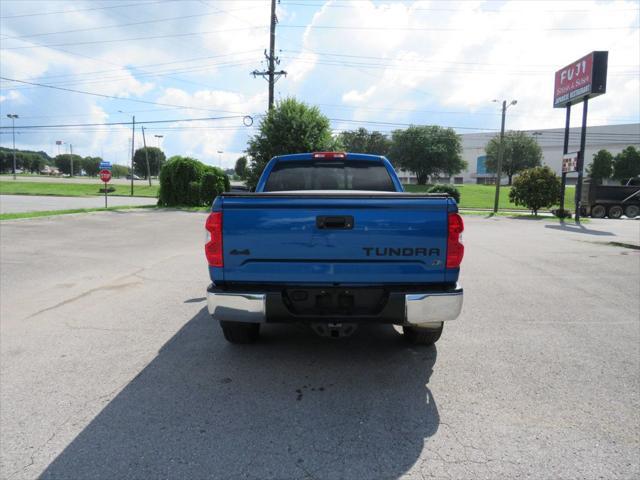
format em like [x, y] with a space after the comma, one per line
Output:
[421, 309]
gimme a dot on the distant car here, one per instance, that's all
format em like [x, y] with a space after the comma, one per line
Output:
[135, 177]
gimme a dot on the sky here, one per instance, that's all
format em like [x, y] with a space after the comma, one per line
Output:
[382, 65]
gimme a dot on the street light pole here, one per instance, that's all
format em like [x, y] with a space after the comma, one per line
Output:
[133, 139]
[501, 153]
[158, 137]
[220, 152]
[13, 117]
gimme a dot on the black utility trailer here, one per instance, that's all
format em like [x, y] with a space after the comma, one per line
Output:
[611, 200]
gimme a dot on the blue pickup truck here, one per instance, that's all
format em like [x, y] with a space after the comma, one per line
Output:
[330, 239]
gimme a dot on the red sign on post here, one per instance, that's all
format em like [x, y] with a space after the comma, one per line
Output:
[105, 175]
[586, 77]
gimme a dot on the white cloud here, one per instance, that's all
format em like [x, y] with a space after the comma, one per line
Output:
[395, 62]
[204, 139]
[460, 56]
[13, 96]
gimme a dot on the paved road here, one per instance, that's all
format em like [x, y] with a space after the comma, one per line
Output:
[33, 203]
[111, 368]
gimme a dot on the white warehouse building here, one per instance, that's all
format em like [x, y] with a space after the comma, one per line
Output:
[613, 138]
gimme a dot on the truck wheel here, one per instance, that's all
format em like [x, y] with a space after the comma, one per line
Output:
[615, 212]
[632, 211]
[422, 336]
[598, 211]
[240, 332]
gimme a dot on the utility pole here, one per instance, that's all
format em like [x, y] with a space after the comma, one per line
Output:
[501, 153]
[146, 155]
[133, 137]
[71, 158]
[13, 117]
[271, 75]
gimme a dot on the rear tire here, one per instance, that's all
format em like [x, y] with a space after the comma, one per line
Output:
[422, 336]
[615, 212]
[598, 211]
[240, 332]
[632, 211]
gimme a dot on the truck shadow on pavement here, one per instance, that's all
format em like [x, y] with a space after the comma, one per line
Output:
[292, 406]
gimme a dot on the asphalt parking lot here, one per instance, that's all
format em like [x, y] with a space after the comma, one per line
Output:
[110, 366]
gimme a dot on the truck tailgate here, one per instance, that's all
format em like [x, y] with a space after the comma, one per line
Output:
[342, 238]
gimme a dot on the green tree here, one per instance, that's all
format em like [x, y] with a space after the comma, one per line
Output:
[118, 171]
[363, 141]
[536, 188]
[427, 151]
[156, 160]
[627, 164]
[521, 151]
[241, 167]
[601, 167]
[290, 127]
[91, 165]
[36, 162]
[6, 161]
[63, 162]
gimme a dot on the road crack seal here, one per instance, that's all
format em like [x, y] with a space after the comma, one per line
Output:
[112, 286]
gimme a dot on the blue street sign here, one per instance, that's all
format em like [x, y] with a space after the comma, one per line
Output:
[105, 165]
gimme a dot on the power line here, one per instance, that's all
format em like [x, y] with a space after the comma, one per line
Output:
[373, 122]
[377, 65]
[83, 9]
[427, 9]
[155, 74]
[439, 112]
[92, 29]
[148, 102]
[452, 29]
[140, 67]
[369, 57]
[248, 118]
[154, 37]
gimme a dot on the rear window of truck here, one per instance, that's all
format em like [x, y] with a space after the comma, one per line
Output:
[329, 175]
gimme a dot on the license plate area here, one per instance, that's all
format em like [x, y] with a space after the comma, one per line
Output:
[335, 301]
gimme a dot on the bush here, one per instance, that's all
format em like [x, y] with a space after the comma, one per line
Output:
[213, 182]
[175, 179]
[449, 189]
[193, 194]
[536, 188]
[186, 181]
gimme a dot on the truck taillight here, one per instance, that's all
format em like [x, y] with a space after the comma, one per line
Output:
[213, 247]
[329, 155]
[455, 249]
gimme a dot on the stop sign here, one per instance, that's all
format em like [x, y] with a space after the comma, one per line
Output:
[105, 175]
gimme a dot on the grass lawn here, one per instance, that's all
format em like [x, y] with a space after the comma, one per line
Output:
[482, 196]
[74, 189]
